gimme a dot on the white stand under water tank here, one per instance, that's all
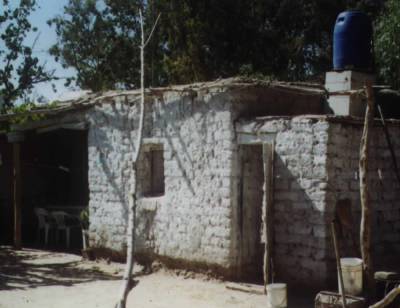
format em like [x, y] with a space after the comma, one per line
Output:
[340, 85]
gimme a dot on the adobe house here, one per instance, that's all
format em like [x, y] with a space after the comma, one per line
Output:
[213, 154]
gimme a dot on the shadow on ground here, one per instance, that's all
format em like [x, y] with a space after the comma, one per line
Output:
[32, 269]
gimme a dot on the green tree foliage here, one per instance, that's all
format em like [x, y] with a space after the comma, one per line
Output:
[209, 39]
[19, 69]
[200, 40]
[100, 41]
[387, 44]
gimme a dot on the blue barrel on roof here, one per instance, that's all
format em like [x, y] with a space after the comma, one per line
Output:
[352, 41]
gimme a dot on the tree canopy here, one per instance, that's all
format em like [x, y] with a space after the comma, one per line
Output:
[199, 40]
[387, 44]
[99, 42]
[20, 70]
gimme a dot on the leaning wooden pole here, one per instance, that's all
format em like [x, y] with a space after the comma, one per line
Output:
[338, 265]
[365, 226]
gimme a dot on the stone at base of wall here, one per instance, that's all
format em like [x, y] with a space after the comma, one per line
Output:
[146, 259]
[213, 270]
[94, 253]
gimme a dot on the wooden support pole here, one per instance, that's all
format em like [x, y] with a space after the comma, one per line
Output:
[240, 213]
[365, 226]
[268, 161]
[338, 265]
[17, 195]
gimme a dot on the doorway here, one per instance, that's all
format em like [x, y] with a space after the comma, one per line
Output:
[255, 200]
[54, 167]
[54, 177]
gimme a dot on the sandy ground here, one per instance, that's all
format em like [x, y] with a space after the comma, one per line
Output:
[35, 278]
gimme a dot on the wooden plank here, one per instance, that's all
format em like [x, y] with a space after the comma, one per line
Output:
[70, 126]
[268, 162]
[68, 120]
[245, 287]
[17, 195]
[253, 138]
[365, 226]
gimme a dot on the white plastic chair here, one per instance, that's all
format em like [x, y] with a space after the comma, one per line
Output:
[44, 221]
[64, 222]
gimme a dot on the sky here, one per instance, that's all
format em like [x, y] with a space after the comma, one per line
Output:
[46, 10]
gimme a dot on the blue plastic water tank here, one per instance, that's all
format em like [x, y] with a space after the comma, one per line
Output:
[352, 41]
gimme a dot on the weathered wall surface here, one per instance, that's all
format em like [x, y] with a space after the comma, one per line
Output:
[110, 142]
[200, 218]
[197, 217]
[300, 197]
[343, 148]
[192, 220]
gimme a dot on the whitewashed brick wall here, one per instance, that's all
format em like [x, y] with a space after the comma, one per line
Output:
[197, 219]
[300, 197]
[192, 221]
[343, 166]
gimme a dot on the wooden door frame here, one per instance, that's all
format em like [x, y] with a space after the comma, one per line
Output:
[267, 141]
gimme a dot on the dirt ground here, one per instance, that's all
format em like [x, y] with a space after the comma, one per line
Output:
[37, 278]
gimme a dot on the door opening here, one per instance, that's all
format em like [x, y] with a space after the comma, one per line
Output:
[255, 199]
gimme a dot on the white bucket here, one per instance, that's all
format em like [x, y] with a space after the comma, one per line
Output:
[352, 275]
[276, 295]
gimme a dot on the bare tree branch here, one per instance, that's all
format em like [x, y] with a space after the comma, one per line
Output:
[152, 30]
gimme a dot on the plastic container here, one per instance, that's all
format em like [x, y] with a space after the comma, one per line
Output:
[352, 41]
[276, 295]
[352, 275]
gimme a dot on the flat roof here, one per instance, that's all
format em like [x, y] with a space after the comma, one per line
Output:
[220, 85]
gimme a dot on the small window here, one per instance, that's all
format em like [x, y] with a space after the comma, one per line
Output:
[153, 171]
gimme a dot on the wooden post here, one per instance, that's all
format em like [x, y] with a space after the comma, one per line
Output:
[17, 194]
[338, 265]
[268, 159]
[16, 138]
[365, 226]
[240, 212]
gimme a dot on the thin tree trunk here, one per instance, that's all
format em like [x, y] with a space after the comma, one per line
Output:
[126, 280]
[365, 227]
[133, 187]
